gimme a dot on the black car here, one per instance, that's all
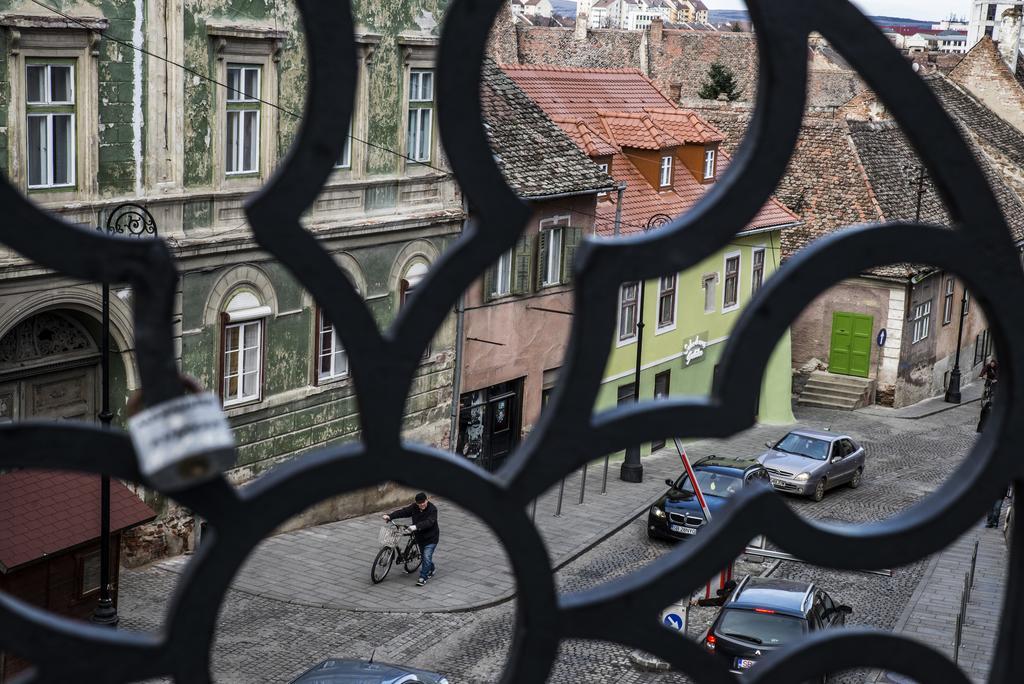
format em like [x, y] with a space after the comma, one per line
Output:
[678, 515]
[764, 614]
[347, 671]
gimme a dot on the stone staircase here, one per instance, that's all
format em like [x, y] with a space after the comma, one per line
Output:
[844, 392]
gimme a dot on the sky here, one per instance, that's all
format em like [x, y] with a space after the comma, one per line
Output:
[911, 9]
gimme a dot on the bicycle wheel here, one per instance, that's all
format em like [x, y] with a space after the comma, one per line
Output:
[382, 564]
[412, 558]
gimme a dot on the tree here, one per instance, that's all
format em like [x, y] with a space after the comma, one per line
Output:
[735, 27]
[720, 80]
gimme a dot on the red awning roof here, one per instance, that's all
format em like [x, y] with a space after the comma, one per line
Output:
[44, 512]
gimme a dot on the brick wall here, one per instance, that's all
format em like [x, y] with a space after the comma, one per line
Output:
[983, 73]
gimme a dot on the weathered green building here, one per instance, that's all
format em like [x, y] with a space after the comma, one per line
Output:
[190, 128]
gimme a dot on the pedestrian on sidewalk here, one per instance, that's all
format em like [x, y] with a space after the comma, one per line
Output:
[997, 510]
[424, 526]
[990, 374]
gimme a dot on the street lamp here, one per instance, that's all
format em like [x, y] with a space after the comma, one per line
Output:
[133, 221]
[632, 470]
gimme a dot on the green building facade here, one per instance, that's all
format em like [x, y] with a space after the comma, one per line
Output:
[680, 358]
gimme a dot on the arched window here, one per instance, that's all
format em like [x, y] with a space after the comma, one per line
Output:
[242, 374]
[413, 276]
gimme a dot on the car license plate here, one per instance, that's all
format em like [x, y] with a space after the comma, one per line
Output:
[744, 663]
[682, 530]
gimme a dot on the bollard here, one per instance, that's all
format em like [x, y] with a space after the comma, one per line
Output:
[604, 485]
[561, 491]
[583, 481]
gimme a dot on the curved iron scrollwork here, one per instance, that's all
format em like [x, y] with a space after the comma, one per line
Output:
[657, 221]
[131, 220]
[625, 611]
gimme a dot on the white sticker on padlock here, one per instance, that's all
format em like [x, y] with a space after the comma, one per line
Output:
[182, 441]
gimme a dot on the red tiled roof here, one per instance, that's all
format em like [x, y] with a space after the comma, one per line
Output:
[640, 201]
[686, 125]
[45, 512]
[581, 93]
[585, 137]
[638, 131]
[636, 114]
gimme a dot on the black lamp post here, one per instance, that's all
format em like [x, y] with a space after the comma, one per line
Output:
[632, 469]
[126, 220]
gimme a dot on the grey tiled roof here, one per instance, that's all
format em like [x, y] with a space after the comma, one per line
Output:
[535, 156]
[979, 119]
[892, 167]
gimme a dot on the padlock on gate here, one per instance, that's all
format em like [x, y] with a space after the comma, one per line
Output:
[182, 442]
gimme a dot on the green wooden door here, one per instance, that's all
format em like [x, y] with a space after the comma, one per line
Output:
[850, 352]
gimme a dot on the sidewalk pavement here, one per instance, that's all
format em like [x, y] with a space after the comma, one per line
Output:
[969, 393]
[931, 614]
[329, 565]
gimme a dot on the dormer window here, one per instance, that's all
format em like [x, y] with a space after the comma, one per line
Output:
[666, 171]
[709, 164]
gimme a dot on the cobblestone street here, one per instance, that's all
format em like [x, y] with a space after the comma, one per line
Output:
[263, 639]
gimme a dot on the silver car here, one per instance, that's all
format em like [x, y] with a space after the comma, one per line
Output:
[808, 462]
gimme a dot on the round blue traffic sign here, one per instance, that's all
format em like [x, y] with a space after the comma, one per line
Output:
[882, 335]
[674, 621]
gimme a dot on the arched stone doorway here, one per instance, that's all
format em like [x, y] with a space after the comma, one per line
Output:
[49, 369]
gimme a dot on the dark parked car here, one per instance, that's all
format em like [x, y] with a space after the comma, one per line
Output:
[808, 462]
[678, 515]
[346, 671]
[764, 614]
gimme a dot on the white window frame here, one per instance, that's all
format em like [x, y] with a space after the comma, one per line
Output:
[920, 320]
[756, 277]
[603, 167]
[345, 161]
[709, 164]
[708, 283]
[673, 291]
[336, 349]
[947, 301]
[44, 110]
[502, 285]
[240, 397]
[242, 104]
[631, 337]
[726, 307]
[665, 179]
[553, 267]
[420, 108]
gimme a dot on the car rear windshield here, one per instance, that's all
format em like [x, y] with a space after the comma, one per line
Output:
[710, 482]
[769, 629]
[804, 446]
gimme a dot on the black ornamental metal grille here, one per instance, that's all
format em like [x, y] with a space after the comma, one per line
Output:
[978, 248]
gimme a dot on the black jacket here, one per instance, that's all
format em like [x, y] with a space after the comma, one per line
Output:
[425, 521]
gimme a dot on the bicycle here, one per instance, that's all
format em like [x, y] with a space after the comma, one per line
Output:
[390, 553]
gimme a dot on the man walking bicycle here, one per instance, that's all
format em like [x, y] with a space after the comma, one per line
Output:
[424, 526]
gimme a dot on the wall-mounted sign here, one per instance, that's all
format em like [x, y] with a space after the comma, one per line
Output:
[693, 349]
[882, 336]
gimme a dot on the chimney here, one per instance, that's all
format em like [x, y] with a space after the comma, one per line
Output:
[582, 19]
[657, 26]
[1009, 36]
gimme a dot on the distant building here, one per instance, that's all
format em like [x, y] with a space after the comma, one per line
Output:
[1000, 21]
[537, 8]
[951, 41]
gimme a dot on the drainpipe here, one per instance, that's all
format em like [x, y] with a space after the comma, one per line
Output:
[618, 209]
[460, 317]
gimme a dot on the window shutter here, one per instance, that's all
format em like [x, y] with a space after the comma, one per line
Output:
[489, 276]
[542, 257]
[572, 238]
[522, 265]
